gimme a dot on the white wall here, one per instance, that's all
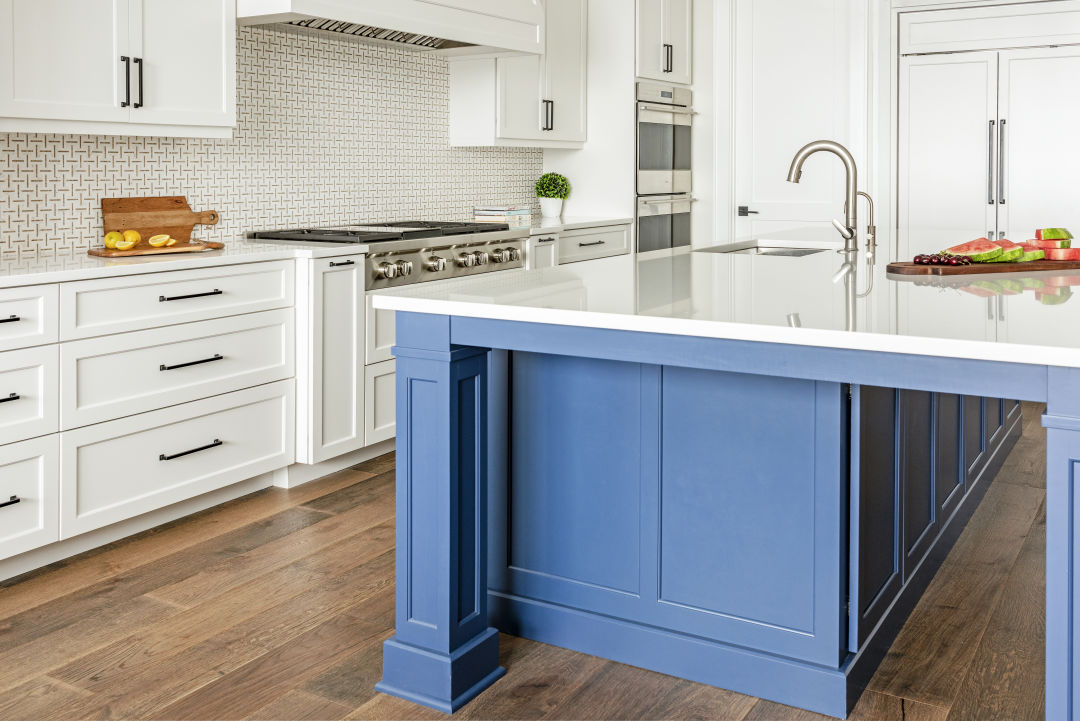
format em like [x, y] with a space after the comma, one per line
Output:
[602, 174]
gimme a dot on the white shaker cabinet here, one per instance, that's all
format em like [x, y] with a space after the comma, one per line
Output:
[664, 40]
[118, 67]
[330, 354]
[526, 100]
[542, 251]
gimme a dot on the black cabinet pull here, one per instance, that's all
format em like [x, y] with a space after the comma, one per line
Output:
[12, 502]
[545, 240]
[344, 262]
[549, 115]
[215, 291]
[139, 63]
[126, 60]
[215, 444]
[11, 397]
[669, 58]
[217, 357]
[10, 319]
[586, 245]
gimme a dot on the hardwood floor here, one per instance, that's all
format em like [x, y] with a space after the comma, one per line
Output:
[275, 606]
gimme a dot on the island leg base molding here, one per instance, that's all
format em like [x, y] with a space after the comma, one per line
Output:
[785, 681]
[444, 682]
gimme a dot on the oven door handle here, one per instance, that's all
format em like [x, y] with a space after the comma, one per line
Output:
[661, 108]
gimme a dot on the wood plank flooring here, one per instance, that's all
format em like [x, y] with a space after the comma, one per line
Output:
[275, 606]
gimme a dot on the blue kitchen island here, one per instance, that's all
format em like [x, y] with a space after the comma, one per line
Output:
[721, 467]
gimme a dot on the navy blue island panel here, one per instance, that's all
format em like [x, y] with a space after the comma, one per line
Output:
[670, 503]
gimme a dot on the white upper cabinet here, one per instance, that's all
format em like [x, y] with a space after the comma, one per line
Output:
[118, 67]
[664, 40]
[530, 100]
[1020, 24]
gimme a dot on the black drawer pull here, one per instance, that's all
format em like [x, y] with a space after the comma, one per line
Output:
[215, 444]
[546, 240]
[12, 397]
[10, 319]
[139, 62]
[344, 262]
[215, 291]
[586, 245]
[126, 60]
[12, 502]
[217, 357]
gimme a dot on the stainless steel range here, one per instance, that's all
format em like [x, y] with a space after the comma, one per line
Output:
[415, 251]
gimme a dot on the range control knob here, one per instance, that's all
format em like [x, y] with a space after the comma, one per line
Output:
[404, 268]
[502, 255]
[466, 260]
[386, 270]
[482, 257]
[436, 264]
[515, 254]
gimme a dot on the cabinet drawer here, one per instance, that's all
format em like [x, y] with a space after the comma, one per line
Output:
[380, 335]
[29, 393]
[379, 402]
[29, 472]
[106, 378]
[589, 243]
[28, 316]
[114, 305]
[120, 469]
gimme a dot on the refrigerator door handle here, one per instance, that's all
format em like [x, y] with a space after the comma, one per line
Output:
[1001, 162]
[990, 164]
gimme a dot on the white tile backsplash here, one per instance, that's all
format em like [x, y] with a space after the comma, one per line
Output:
[329, 131]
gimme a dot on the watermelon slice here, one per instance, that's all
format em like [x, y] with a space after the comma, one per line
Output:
[1063, 254]
[1054, 296]
[1050, 244]
[1053, 234]
[1031, 255]
[1009, 253]
[980, 250]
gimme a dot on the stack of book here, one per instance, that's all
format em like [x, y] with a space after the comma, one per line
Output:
[516, 216]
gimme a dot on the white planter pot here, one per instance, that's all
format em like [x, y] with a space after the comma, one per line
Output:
[551, 207]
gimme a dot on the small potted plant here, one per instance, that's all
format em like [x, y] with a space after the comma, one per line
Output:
[552, 190]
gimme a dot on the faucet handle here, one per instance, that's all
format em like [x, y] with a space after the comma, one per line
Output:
[845, 232]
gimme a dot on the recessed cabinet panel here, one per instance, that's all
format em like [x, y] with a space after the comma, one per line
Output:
[29, 476]
[948, 468]
[920, 511]
[380, 402]
[565, 69]
[520, 86]
[29, 393]
[381, 333]
[974, 443]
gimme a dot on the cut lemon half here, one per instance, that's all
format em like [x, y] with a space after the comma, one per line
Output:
[171, 243]
[125, 244]
[158, 241]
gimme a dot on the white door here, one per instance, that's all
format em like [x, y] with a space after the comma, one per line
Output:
[337, 378]
[519, 106]
[565, 68]
[799, 77]
[651, 55]
[678, 33]
[187, 58]
[1038, 104]
[61, 59]
[946, 153]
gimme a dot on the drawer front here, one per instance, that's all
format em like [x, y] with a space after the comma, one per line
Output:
[379, 402]
[106, 378]
[114, 305]
[589, 243]
[29, 393]
[380, 335]
[543, 251]
[29, 471]
[28, 316]
[120, 469]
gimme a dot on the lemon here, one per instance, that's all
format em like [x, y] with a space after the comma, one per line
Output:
[171, 243]
[112, 238]
[158, 241]
[125, 244]
[131, 236]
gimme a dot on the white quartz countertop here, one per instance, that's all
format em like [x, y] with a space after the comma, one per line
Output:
[792, 300]
[57, 268]
[555, 225]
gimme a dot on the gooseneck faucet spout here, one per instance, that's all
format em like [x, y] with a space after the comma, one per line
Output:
[851, 184]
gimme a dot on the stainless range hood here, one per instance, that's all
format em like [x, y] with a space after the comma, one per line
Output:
[447, 26]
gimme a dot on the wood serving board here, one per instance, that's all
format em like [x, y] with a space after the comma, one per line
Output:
[982, 268]
[153, 216]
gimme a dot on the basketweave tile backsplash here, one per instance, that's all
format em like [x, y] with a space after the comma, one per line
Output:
[329, 131]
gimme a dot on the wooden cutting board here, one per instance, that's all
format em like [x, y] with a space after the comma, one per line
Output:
[982, 268]
[153, 216]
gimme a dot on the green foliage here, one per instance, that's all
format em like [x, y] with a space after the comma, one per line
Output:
[552, 185]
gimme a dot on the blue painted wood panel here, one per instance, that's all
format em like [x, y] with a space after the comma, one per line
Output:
[948, 450]
[920, 522]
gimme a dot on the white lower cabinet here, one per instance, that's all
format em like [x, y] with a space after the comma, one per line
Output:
[29, 393]
[380, 334]
[28, 316]
[131, 373]
[379, 402]
[123, 468]
[590, 243]
[29, 485]
[542, 251]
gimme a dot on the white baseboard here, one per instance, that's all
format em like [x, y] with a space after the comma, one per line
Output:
[300, 473]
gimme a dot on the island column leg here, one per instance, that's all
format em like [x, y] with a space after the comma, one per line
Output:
[443, 652]
[1062, 423]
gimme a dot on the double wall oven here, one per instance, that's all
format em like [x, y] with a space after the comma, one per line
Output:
[664, 124]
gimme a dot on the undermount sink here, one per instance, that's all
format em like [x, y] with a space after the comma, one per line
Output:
[758, 250]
